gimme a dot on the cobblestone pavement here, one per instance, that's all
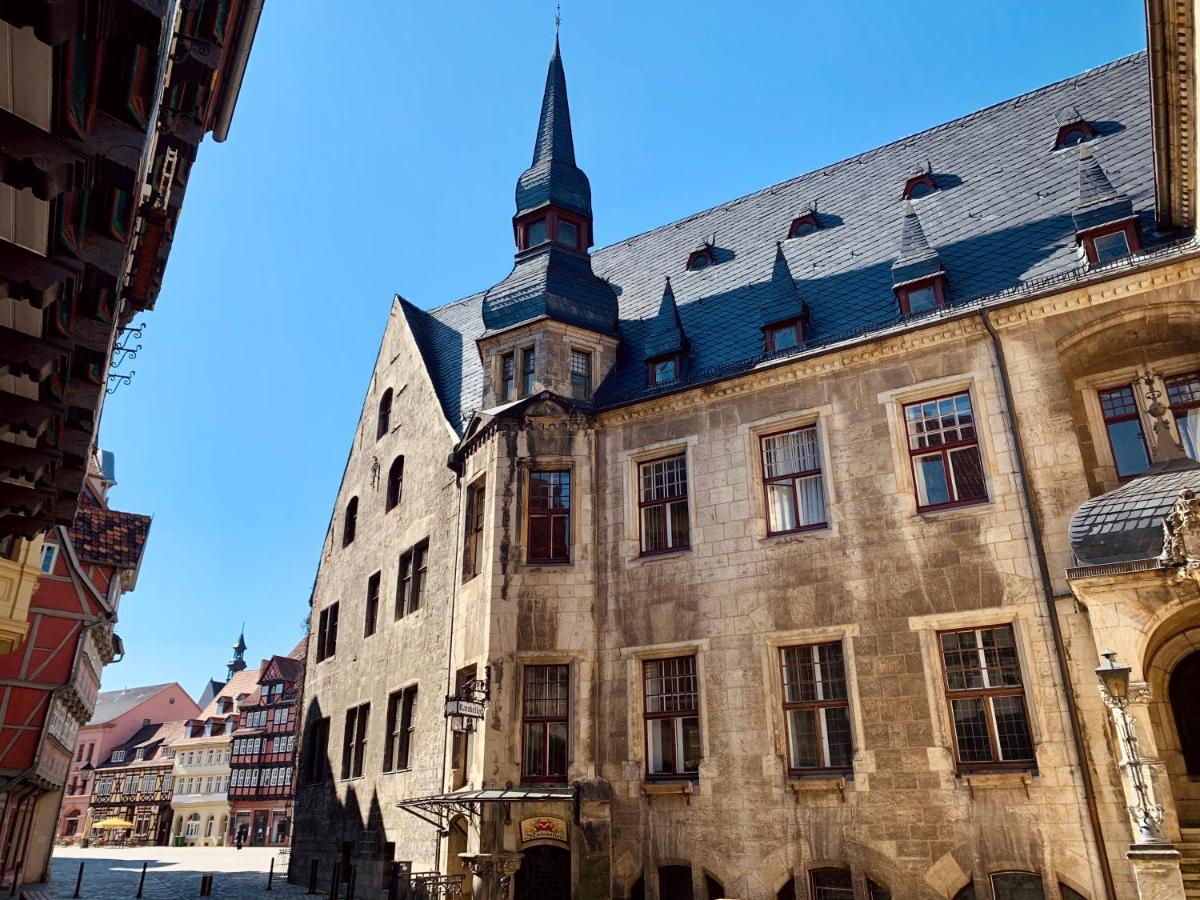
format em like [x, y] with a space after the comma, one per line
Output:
[173, 873]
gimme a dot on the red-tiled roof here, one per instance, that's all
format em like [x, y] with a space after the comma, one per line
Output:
[300, 651]
[110, 537]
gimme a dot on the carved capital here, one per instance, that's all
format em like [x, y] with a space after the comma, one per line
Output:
[491, 865]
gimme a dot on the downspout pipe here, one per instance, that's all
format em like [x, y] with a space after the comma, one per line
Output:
[1060, 653]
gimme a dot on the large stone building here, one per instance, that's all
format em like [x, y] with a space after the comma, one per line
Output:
[752, 571]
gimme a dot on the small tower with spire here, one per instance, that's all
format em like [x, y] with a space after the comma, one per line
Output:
[918, 279]
[238, 663]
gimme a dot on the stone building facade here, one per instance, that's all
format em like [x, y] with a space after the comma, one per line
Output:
[744, 566]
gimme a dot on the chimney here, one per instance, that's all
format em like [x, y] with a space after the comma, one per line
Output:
[145, 722]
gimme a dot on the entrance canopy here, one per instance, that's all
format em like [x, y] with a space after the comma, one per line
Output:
[439, 809]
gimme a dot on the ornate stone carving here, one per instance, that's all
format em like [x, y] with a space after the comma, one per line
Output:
[1181, 533]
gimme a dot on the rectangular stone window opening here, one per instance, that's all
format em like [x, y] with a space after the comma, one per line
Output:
[831, 884]
[401, 708]
[544, 714]
[672, 717]
[816, 708]
[354, 740]
[1183, 396]
[508, 383]
[943, 447]
[1123, 425]
[327, 625]
[663, 505]
[473, 536]
[528, 371]
[410, 589]
[372, 611]
[581, 374]
[792, 480]
[986, 698]
[549, 525]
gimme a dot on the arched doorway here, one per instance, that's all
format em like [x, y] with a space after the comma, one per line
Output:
[545, 874]
[1172, 673]
[456, 843]
[1183, 692]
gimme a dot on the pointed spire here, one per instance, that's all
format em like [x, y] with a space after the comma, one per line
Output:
[666, 330]
[917, 259]
[553, 176]
[1099, 202]
[238, 663]
[781, 301]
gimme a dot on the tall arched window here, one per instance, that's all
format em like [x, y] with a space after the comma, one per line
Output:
[384, 422]
[395, 483]
[350, 525]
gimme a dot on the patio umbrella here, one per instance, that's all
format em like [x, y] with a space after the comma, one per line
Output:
[113, 824]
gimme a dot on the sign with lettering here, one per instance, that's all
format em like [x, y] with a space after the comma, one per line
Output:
[469, 708]
[543, 828]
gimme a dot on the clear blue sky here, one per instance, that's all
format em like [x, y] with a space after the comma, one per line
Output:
[375, 150]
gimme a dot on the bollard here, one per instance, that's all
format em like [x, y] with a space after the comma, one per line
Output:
[206, 885]
[141, 881]
[16, 880]
[312, 876]
[350, 883]
[333, 882]
[271, 873]
[78, 881]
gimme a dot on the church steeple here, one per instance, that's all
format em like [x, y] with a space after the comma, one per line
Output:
[238, 663]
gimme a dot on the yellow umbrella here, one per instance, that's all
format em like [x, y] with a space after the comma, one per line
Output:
[113, 824]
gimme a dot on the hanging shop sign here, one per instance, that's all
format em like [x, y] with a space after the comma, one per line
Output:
[543, 828]
[469, 703]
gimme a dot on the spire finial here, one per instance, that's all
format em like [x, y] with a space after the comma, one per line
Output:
[557, 19]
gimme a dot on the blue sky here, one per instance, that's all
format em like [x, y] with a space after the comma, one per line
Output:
[375, 149]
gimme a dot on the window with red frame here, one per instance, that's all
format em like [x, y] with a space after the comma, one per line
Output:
[986, 697]
[944, 449]
[921, 297]
[1123, 425]
[663, 505]
[816, 708]
[663, 369]
[536, 232]
[1183, 396]
[672, 717]
[783, 336]
[544, 709]
[792, 479]
[549, 516]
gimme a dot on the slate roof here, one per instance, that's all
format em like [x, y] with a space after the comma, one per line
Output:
[114, 704]
[1126, 524]
[110, 537]
[1002, 216]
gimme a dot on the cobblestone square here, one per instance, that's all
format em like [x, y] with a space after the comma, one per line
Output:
[173, 873]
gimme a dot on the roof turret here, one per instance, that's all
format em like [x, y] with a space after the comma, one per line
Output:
[917, 259]
[1099, 202]
[781, 300]
[666, 329]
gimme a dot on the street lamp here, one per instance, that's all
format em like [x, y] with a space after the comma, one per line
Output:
[1114, 683]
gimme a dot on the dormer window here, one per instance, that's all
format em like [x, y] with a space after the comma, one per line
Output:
[568, 233]
[700, 259]
[1073, 134]
[663, 369]
[1110, 242]
[536, 233]
[802, 225]
[921, 296]
[782, 336]
[918, 186]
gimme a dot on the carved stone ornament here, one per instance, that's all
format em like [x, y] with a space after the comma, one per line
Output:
[1181, 533]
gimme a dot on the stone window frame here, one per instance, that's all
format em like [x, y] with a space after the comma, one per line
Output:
[985, 403]
[1022, 620]
[577, 703]
[474, 540]
[521, 340]
[634, 658]
[753, 433]
[572, 712]
[1089, 387]
[776, 722]
[555, 463]
[630, 462]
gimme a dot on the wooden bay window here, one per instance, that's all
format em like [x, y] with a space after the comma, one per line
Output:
[943, 446]
[545, 704]
[986, 698]
[672, 717]
[816, 708]
[663, 505]
[793, 481]
[549, 517]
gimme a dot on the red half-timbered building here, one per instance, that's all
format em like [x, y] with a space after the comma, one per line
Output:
[48, 686]
[262, 785]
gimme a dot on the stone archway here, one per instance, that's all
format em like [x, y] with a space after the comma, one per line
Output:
[456, 843]
[1173, 676]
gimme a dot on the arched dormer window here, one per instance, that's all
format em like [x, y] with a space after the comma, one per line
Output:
[700, 259]
[803, 224]
[350, 525]
[1073, 134]
[383, 423]
[919, 185]
[395, 483]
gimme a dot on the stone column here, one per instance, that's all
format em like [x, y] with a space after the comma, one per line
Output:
[1156, 870]
[492, 873]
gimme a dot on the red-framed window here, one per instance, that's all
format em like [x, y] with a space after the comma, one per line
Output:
[473, 539]
[327, 625]
[1073, 134]
[536, 231]
[785, 335]
[1183, 396]
[816, 707]
[528, 371]
[671, 694]
[830, 884]
[922, 296]
[545, 707]
[508, 377]
[805, 223]
[395, 484]
[1109, 242]
[372, 611]
[918, 186]
[663, 505]
[943, 448]
[663, 369]
[384, 420]
[986, 697]
[354, 740]
[1123, 425]
[793, 483]
[563, 228]
[401, 712]
[549, 516]
[700, 259]
[410, 589]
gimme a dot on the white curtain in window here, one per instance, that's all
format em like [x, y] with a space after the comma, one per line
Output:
[1189, 430]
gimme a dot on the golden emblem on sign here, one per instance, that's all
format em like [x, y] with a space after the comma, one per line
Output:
[543, 828]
